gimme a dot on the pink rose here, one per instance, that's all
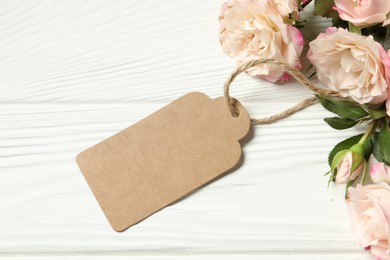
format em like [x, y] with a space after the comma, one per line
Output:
[356, 66]
[369, 209]
[380, 172]
[254, 29]
[350, 167]
[363, 12]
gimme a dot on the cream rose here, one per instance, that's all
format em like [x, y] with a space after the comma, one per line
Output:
[254, 29]
[356, 66]
[286, 7]
[369, 209]
[363, 12]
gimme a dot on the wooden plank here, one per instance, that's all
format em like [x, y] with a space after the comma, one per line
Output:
[276, 202]
[121, 51]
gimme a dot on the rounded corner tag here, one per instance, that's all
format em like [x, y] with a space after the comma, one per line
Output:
[163, 157]
[237, 126]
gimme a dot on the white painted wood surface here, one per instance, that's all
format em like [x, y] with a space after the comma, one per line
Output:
[74, 72]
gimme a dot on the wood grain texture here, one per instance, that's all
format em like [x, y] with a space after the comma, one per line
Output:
[75, 72]
[276, 202]
[116, 51]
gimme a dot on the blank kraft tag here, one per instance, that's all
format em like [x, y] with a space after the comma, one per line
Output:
[163, 157]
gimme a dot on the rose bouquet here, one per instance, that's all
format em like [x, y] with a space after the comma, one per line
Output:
[348, 58]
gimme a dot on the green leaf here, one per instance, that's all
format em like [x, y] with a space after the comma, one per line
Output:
[338, 159]
[376, 113]
[343, 109]
[376, 148]
[324, 8]
[367, 149]
[381, 143]
[332, 176]
[340, 123]
[343, 145]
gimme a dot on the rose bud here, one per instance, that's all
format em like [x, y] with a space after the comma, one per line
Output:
[349, 164]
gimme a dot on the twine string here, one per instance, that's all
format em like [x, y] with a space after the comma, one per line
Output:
[299, 76]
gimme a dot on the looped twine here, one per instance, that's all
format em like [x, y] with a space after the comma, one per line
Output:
[299, 76]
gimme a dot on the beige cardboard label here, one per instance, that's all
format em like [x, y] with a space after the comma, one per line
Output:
[163, 157]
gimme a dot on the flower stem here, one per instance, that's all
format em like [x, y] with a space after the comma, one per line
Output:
[368, 133]
[354, 29]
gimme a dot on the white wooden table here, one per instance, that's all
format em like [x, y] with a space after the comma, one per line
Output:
[75, 72]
